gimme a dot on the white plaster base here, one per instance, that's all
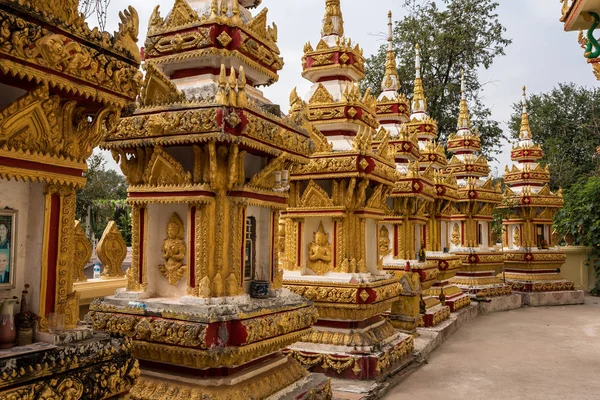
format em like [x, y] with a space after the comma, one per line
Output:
[564, 298]
[500, 303]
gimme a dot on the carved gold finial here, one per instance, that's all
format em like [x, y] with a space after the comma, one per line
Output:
[391, 81]
[112, 251]
[464, 121]
[333, 23]
[419, 102]
[173, 251]
[525, 132]
[319, 252]
[83, 253]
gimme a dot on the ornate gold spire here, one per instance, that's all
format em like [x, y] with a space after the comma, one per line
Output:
[525, 128]
[391, 81]
[419, 103]
[464, 121]
[333, 23]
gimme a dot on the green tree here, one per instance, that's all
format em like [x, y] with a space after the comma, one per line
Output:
[579, 217]
[459, 35]
[566, 123]
[104, 192]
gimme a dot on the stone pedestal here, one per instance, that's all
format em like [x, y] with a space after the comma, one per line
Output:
[557, 298]
[216, 348]
[535, 274]
[500, 303]
[351, 339]
[477, 276]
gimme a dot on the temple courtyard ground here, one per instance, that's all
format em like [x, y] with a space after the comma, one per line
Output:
[531, 353]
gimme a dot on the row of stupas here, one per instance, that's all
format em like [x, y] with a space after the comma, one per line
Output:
[265, 243]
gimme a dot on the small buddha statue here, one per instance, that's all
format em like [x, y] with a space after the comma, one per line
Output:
[319, 252]
[173, 251]
[422, 253]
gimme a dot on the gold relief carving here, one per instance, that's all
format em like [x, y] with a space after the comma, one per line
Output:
[384, 242]
[322, 59]
[112, 251]
[40, 123]
[181, 15]
[204, 359]
[259, 387]
[164, 170]
[82, 253]
[321, 96]
[265, 179]
[315, 197]
[133, 283]
[269, 132]
[319, 252]
[158, 89]
[371, 337]
[43, 48]
[66, 299]
[166, 123]
[517, 236]
[259, 329]
[325, 294]
[395, 355]
[173, 251]
[327, 361]
[326, 165]
[456, 235]
[105, 380]
[178, 333]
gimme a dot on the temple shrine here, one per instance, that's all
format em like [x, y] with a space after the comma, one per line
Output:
[412, 198]
[336, 201]
[469, 231]
[435, 235]
[207, 156]
[63, 84]
[532, 261]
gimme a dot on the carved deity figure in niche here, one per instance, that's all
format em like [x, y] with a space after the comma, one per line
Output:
[456, 235]
[319, 252]
[173, 251]
[517, 237]
[383, 244]
[422, 253]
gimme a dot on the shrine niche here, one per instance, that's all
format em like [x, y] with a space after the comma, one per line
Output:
[319, 252]
[174, 250]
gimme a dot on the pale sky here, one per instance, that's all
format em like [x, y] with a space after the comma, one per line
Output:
[541, 55]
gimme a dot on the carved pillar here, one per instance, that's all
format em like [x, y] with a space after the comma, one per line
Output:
[56, 288]
[136, 274]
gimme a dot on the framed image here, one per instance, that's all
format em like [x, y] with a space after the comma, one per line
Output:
[8, 248]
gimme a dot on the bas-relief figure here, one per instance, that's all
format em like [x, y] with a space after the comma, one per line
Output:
[319, 252]
[173, 251]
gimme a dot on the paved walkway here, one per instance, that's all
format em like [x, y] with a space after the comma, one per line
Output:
[541, 353]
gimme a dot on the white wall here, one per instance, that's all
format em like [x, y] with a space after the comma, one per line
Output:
[389, 259]
[28, 199]
[158, 218]
[445, 234]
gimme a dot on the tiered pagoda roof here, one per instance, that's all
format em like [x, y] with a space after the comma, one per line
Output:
[344, 122]
[204, 63]
[527, 179]
[470, 168]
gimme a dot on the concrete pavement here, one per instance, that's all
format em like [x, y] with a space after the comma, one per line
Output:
[532, 353]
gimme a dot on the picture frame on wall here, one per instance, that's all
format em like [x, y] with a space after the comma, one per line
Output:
[8, 248]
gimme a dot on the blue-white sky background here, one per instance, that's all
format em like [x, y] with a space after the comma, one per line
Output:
[541, 55]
